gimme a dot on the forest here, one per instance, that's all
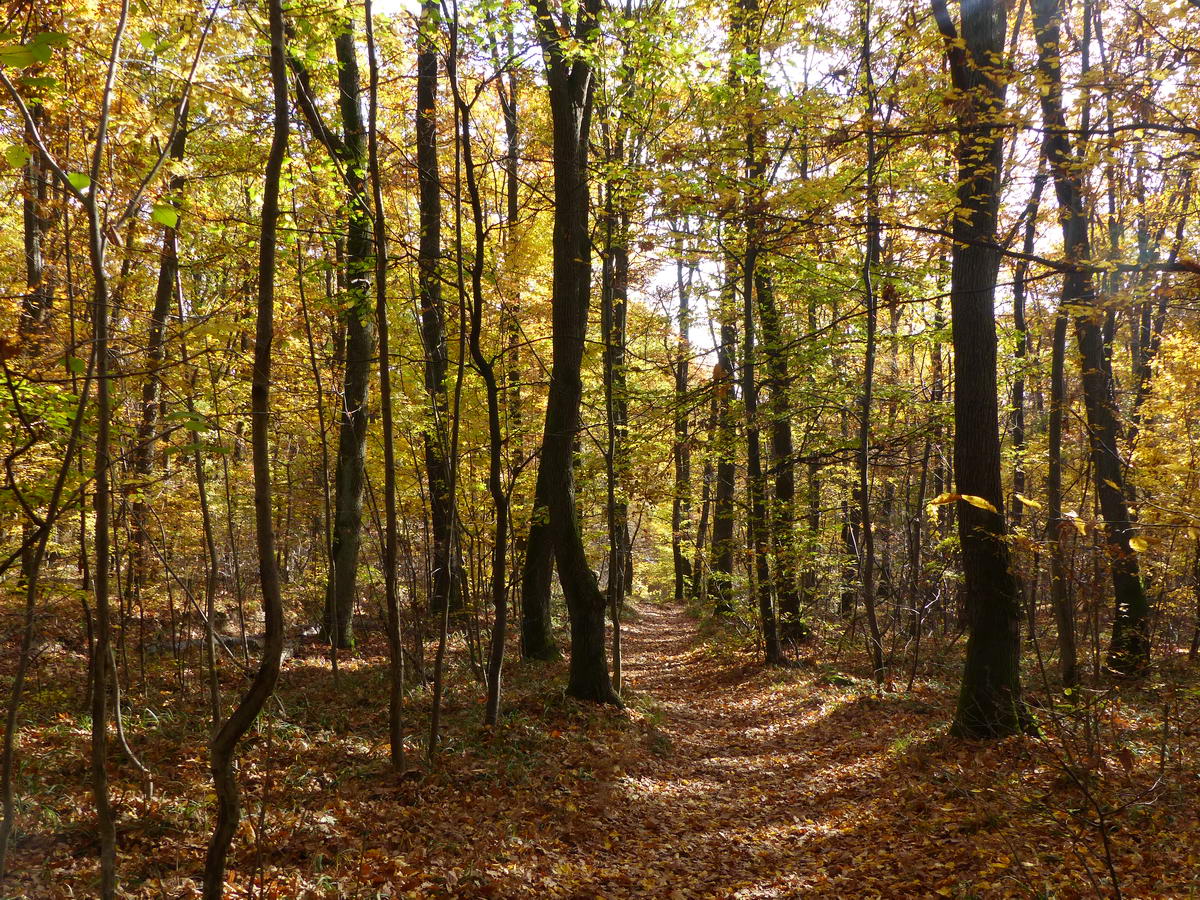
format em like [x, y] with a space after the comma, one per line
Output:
[600, 448]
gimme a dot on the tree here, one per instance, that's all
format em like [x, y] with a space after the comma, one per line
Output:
[569, 78]
[989, 703]
[349, 152]
[1129, 649]
[234, 728]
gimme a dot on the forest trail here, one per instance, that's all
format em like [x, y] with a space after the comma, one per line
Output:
[757, 782]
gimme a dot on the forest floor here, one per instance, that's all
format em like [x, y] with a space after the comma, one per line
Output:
[721, 779]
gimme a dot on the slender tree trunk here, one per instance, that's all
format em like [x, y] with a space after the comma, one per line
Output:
[224, 745]
[870, 261]
[725, 434]
[484, 366]
[989, 703]
[1056, 526]
[391, 593]
[614, 308]
[681, 502]
[350, 466]
[206, 522]
[1129, 649]
[38, 301]
[1021, 352]
[101, 653]
[31, 567]
[147, 433]
[1194, 649]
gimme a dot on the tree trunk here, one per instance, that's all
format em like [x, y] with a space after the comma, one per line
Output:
[989, 703]
[350, 467]
[1021, 352]
[1056, 526]
[870, 261]
[614, 294]
[147, 433]
[391, 593]
[487, 372]
[38, 301]
[681, 502]
[725, 432]
[782, 461]
[225, 742]
[1129, 649]
[449, 580]
[571, 86]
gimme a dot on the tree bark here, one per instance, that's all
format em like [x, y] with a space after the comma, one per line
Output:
[725, 434]
[390, 538]
[783, 461]
[224, 745]
[870, 261]
[1129, 649]
[449, 579]
[681, 502]
[989, 703]
[571, 86]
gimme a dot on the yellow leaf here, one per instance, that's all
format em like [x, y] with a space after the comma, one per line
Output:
[978, 502]
[1025, 501]
[1139, 544]
[942, 499]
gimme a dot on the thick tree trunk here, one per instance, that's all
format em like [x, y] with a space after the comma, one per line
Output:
[989, 702]
[1129, 649]
[571, 87]
[782, 461]
[449, 580]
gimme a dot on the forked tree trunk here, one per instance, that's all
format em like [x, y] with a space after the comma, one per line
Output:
[224, 745]
[570, 80]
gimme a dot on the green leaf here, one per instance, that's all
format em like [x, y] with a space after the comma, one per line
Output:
[165, 214]
[51, 39]
[75, 365]
[41, 52]
[16, 156]
[18, 57]
[79, 181]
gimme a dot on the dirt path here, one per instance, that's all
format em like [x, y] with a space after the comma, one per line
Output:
[753, 784]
